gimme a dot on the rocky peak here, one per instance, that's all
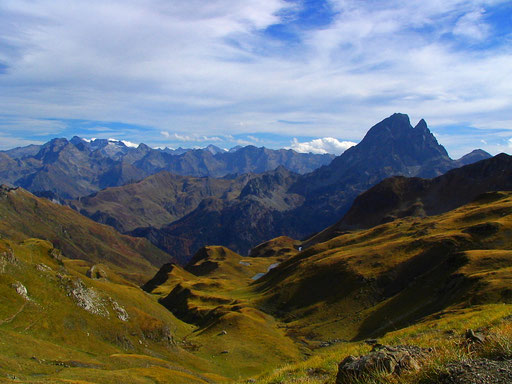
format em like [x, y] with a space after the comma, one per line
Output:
[214, 149]
[473, 157]
[394, 126]
[49, 152]
[395, 137]
[263, 185]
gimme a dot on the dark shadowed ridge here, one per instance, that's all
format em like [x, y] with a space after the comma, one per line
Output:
[399, 196]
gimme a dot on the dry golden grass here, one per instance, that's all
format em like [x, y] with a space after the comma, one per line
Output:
[411, 281]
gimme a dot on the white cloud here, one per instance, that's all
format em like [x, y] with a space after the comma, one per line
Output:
[208, 69]
[472, 26]
[322, 146]
[193, 138]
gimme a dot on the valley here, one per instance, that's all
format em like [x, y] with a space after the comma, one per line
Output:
[211, 321]
[256, 192]
[277, 202]
[247, 278]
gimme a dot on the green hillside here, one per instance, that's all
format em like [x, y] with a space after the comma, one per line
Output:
[25, 215]
[279, 315]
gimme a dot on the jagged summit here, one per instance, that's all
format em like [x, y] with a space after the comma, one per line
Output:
[391, 147]
[395, 140]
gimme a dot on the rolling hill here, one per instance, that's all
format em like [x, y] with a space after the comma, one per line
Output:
[225, 317]
[410, 280]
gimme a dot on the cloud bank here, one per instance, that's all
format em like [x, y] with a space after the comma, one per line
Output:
[322, 146]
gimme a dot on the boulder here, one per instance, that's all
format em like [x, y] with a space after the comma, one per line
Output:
[21, 290]
[96, 272]
[381, 360]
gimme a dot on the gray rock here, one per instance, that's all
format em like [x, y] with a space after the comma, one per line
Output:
[119, 310]
[43, 268]
[96, 272]
[21, 290]
[383, 360]
[474, 337]
[87, 298]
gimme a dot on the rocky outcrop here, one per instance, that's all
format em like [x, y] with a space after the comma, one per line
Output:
[87, 298]
[119, 310]
[21, 290]
[382, 360]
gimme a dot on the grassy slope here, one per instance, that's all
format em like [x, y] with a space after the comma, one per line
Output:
[368, 282]
[230, 331]
[49, 338]
[408, 281]
[25, 215]
[155, 201]
[449, 271]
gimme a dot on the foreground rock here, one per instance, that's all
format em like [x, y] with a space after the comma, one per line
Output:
[382, 360]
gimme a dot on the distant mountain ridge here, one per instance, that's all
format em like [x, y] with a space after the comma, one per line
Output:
[69, 169]
[281, 202]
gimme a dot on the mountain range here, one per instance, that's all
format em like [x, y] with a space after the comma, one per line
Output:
[418, 261]
[63, 169]
[278, 202]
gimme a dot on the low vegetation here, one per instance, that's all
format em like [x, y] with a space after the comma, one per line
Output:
[282, 316]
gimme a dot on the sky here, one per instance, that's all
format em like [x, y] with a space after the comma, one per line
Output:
[312, 75]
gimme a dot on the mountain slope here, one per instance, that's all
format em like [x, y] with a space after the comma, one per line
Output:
[25, 215]
[238, 223]
[155, 201]
[398, 197]
[366, 283]
[225, 317]
[425, 278]
[59, 325]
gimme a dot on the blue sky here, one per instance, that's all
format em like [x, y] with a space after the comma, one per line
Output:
[306, 74]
